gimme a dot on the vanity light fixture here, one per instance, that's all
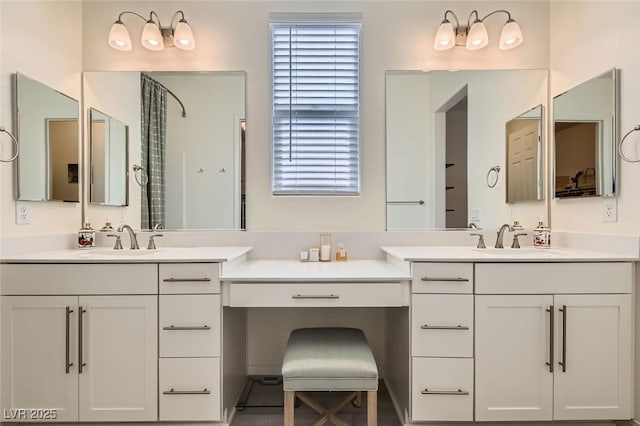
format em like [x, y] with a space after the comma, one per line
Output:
[474, 35]
[154, 36]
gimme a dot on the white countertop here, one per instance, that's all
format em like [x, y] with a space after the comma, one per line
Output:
[292, 270]
[109, 255]
[525, 254]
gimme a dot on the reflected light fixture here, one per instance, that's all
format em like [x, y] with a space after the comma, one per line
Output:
[154, 36]
[474, 35]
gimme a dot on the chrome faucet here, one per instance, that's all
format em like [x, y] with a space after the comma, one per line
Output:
[473, 225]
[132, 236]
[500, 238]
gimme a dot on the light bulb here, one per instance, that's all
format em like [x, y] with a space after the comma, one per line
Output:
[477, 37]
[511, 35]
[445, 37]
[151, 36]
[119, 37]
[183, 36]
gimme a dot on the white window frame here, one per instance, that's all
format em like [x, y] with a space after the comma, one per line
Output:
[294, 171]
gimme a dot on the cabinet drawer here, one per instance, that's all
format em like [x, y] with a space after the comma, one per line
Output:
[189, 389]
[189, 325]
[442, 325]
[442, 278]
[35, 279]
[177, 278]
[547, 278]
[315, 294]
[442, 389]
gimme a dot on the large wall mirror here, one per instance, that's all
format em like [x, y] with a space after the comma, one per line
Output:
[48, 167]
[585, 134]
[187, 149]
[109, 150]
[445, 132]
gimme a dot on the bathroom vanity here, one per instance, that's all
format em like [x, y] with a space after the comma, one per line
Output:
[469, 335]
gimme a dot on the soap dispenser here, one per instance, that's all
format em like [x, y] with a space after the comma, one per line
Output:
[86, 236]
[541, 235]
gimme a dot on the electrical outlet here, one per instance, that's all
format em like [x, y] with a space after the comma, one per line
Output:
[475, 214]
[23, 214]
[610, 209]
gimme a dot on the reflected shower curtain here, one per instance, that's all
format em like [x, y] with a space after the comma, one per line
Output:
[154, 148]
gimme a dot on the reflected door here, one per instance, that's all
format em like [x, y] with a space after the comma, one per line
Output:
[523, 154]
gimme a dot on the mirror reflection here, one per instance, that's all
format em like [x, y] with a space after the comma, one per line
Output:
[108, 143]
[585, 129]
[189, 143]
[48, 166]
[444, 131]
[525, 157]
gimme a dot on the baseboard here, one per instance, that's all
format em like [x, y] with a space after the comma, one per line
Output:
[396, 406]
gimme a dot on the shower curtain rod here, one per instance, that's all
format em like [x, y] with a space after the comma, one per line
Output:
[184, 112]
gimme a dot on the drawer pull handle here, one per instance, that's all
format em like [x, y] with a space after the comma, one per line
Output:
[563, 363]
[456, 280]
[551, 338]
[172, 391]
[187, 280]
[67, 364]
[177, 328]
[81, 363]
[315, 296]
[458, 392]
[444, 327]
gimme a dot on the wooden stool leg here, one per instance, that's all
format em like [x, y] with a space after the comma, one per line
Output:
[289, 399]
[372, 408]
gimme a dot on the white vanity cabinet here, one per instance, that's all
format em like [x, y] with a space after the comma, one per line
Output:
[190, 342]
[442, 342]
[80, 340]
[553, 341]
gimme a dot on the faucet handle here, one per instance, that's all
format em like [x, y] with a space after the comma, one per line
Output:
[118, 245]
[152, 244]
[516, 243]
[481, 244]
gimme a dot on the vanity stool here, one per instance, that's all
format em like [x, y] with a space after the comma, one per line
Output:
[329, 359]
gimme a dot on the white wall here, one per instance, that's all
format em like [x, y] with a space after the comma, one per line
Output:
[587, 39]
[234, 35]
[43, 40]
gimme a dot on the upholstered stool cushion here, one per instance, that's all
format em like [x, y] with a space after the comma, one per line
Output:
[329, 359]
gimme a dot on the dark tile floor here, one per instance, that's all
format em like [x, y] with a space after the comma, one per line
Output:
[272, 395]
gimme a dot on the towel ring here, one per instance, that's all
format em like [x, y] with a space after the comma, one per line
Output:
[143, 175]
[628, 160]
[15, 142]
[495, 169]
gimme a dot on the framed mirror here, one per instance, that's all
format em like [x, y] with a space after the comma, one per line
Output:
[109, 152]
[525, 157]
[444, 132]
[47, 122]
[585, 130]
[195, 179]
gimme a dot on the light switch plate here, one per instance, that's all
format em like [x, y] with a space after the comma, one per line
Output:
[475, 214]
[610, 209]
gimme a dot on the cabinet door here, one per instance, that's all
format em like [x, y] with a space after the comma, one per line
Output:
[38, 347]
[119, 345]
[595, 381]
[513, 343]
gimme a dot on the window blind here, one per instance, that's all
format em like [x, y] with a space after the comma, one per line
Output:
[316, 108]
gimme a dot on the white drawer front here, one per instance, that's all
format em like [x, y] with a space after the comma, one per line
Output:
[181, 278]
[189, 325]
[315, 294]
[442, 325]
[442, 389]
[189, 389]
[33, 279]
[442, 278]
[547, 278]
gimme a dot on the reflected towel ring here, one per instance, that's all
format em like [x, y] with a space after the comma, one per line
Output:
[143, 175]
[15, 142]
[495, 169]
[628, 160]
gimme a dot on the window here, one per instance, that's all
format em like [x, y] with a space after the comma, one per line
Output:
[316, 108]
